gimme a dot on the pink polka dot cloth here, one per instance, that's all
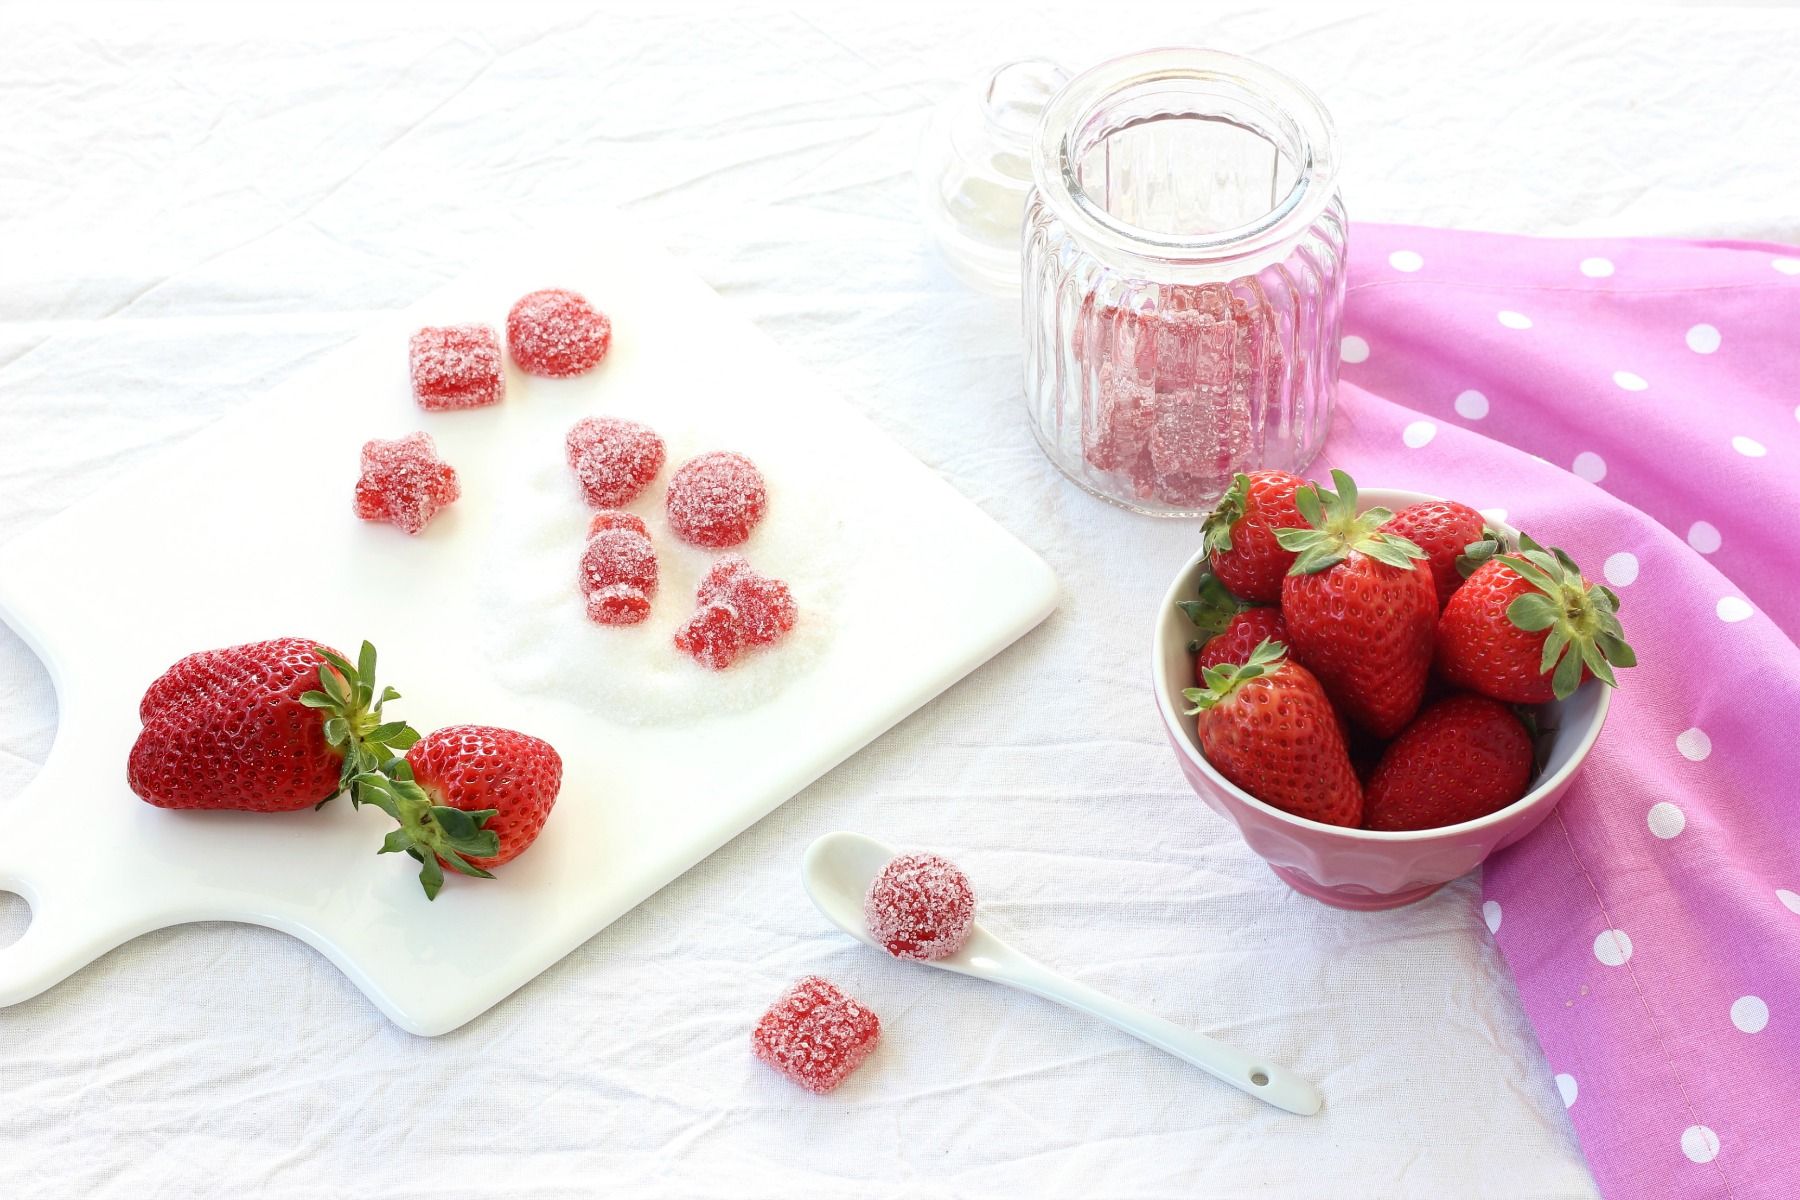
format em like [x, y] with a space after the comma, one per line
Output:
[1636, 402]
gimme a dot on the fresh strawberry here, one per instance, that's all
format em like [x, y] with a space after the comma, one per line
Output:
[1526, 628]
[1360, 616]
[1448, 532]
[1243, 634]
[1240, 534]
[1267, 726]
[247, 728]
[1464, 757]
[1231, 629]
[467, 797]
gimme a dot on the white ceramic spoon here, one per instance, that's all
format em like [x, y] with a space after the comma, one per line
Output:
[837, 871]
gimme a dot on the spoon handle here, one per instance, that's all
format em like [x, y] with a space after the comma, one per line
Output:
[1258, 1077]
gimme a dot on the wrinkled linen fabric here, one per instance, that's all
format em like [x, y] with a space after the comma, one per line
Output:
[1634, 402]
[197, 201]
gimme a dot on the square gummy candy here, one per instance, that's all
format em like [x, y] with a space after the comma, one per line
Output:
[816, 1035]
[456, 366]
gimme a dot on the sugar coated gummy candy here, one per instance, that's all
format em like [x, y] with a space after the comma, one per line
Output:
[764, 607]
[613, 518]
[614, 460]
[618, 575]
[920, 906]
[557, 333]
[716, 499]
[816, 1035]
[404, 482]
[456, 366]
[738, 608]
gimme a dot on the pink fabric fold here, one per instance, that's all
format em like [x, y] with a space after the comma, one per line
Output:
[1636, 402]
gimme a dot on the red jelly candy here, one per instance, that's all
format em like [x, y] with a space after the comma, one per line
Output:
[920, 906]
[1116, 428]
[404, 482]
[557, 333]
[816, 1035]
[456, 366]
[764, 607]
[614, 460]
[716, 499]
[618, 576]
[712, 637]
[613, 518]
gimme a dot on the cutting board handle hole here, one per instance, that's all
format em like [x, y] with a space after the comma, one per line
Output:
[15, 917]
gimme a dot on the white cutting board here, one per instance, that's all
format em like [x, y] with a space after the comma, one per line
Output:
[246, 532]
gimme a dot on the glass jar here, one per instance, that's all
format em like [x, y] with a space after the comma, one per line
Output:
[1183, 277]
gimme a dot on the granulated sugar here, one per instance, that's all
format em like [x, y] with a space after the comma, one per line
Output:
[634, 674]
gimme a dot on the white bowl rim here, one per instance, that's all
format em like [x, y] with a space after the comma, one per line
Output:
[1395, 498]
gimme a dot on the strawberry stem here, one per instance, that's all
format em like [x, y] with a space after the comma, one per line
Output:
[1213, 611]
[1580, 621]
[1337, 529]
[1224, 679]
[436, 835]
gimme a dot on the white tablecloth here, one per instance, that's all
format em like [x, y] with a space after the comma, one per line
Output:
[195, 205]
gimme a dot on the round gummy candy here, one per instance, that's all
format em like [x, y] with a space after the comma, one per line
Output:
[404, 482]
[716, 499]
[920, 906]
[614, 460]
[614, 518]
[557, 333]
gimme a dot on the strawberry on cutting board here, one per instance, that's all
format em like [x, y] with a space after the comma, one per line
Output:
[1462, 758]
[1526, 628]
[1267, 726]
[1360, 614]
[1239, 534]
[1452, 535]
[264, 727]
[467, 797]
[1230, 628]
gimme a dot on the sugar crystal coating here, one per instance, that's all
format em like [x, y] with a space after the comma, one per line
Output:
[920, 906]
[712, 637]
[815, 1034]
[404, 482]
[557, 333]
[716, 499]
[618, 576]
[614, 518]
[456, 366]
[614, 460]
[765, 608]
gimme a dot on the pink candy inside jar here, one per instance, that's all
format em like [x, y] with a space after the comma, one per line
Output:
[1183, 278]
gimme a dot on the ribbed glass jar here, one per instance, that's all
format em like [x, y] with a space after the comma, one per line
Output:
[1183, 277]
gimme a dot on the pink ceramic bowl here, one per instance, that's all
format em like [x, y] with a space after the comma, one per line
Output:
[1359, 868]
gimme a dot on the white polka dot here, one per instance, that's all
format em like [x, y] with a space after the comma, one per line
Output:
[1693, 744]
[1621, 568]
[1596, 268]
[1514, 320]
[1790, 899]
[1704, 536]
[1665, 820]
[1748, 447]
[1405, 260]
[1590, 466]
[1497, 515]
[1354, 349]
[1630, 382]
[1471, 404]
[1734, 608]
[1787, 266]
[1568, 1088]
[1419, 433]
[1749, 1013]
[1703, 339]
[1700, 1143]
[1612, 948]
[1490, 912]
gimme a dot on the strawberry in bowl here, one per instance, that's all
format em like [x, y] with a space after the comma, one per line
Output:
[1459, 764]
